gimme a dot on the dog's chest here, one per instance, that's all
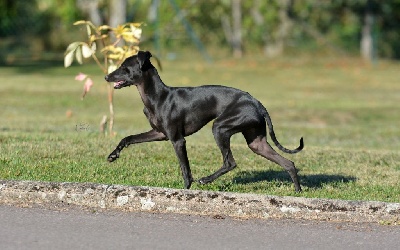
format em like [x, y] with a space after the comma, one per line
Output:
[154, 122]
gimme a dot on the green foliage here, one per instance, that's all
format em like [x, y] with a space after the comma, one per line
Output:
[20, 17]
[321, 25]
[66, 10]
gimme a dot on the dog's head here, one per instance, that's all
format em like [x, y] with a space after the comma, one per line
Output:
[131, 70]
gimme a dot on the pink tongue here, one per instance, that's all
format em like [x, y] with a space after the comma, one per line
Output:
[117, 83]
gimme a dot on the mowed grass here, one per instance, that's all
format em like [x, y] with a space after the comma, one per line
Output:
[347, 112]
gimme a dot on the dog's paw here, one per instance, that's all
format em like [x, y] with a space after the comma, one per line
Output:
[205, 180]
[113, 156]
[188, 183]
[298, 189]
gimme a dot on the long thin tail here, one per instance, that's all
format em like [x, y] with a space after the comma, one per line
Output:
[273, 137]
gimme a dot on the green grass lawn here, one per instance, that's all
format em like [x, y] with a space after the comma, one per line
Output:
[347, 112]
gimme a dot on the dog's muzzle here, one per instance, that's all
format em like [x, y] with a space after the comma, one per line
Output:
[119, 84]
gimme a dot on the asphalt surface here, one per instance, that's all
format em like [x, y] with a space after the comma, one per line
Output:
[72, 228]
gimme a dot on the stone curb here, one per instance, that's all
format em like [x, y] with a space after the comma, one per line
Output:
[165, 200]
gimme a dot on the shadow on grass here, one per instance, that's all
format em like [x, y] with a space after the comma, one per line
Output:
[311, 181]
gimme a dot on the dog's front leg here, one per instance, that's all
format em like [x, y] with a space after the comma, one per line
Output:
[181, 153]
[149, 136]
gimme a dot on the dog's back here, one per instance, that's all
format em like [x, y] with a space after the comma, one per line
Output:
[197, 106]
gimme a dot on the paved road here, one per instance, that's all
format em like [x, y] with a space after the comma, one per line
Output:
[37, 228]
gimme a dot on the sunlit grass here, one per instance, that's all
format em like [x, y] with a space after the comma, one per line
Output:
[347, 112]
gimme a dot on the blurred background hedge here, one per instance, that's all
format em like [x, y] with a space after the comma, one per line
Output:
[41, 29]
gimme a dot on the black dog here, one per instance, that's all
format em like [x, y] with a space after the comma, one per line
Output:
[175, 113]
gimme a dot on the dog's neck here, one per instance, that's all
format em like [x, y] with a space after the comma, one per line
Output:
[152, 89]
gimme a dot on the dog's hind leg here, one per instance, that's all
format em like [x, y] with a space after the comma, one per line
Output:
[259, 145]
[222, 137]
[149, 136]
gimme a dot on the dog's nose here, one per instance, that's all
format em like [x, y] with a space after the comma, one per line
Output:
[106, 77]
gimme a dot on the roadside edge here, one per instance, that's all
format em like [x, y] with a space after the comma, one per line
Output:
[165, 200]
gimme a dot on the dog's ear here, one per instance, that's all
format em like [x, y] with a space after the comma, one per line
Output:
[143, 57]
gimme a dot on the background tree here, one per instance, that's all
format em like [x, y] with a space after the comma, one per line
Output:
[272, 27]
[237, 28]
[118, 13]
[92, 9]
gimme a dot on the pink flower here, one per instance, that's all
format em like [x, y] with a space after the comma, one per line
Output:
[86, 87]
[80, 77]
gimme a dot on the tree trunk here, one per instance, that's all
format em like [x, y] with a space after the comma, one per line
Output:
[276, 47]
[237, 28]
[256, 13]
[117, 12]
[91, 7]
[154, 20]
[366, 44]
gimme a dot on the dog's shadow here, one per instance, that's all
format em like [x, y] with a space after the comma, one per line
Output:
[311, 181]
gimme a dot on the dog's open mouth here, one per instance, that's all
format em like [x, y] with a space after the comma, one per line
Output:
[119, 84]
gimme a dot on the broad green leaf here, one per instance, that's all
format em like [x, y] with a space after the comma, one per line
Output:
[69, 57]
[78, 54]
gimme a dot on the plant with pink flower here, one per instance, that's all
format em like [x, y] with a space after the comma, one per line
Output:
[113, 52]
